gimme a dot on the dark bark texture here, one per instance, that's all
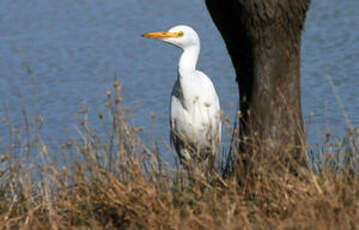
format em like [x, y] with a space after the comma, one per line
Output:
[263, 38]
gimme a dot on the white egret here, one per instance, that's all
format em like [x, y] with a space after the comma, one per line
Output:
[195, 111]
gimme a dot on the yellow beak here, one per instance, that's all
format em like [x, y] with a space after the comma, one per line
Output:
[161, 35]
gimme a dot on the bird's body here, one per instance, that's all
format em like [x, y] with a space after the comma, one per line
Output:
[195, 110]
[194, 118]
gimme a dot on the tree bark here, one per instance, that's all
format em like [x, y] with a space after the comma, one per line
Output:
[263, 38]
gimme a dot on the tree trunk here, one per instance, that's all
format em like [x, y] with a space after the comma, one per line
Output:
[263, 38]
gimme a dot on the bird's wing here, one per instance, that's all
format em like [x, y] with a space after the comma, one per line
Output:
[214, 110]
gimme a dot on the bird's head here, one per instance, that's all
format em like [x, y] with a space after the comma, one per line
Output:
[180, 36]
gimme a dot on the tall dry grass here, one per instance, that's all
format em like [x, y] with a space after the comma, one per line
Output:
[118, 182]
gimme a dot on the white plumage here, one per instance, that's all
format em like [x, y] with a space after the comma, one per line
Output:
[195, 111]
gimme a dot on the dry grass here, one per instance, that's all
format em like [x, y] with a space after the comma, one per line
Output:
[118, 183]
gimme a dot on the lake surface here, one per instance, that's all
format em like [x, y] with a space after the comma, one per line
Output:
[75, 48]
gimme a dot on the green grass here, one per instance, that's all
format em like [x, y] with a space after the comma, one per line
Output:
[120, 183]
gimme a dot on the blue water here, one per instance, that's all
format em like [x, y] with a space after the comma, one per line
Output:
[75, 48]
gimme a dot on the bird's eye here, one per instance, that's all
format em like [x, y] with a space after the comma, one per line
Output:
[180, 34]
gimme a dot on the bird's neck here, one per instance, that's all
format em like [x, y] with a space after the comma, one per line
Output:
[188, 61]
